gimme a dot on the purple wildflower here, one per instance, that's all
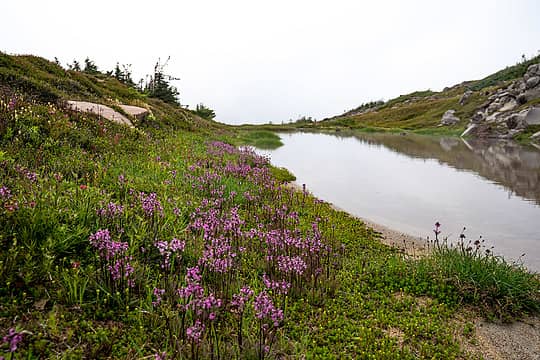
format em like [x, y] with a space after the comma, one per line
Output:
[265, 309]
[166, 249]
[5, 193]
[150, 204]
[158, 293]
[162, 356]
[13, 338]
[107, 248]
[239, 300]
[195, 332]
[111, 211]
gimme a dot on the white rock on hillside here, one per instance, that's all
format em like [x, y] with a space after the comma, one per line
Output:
[449, 118]
[107, 112]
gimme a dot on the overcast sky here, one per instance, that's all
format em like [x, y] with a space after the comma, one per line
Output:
[256, 62]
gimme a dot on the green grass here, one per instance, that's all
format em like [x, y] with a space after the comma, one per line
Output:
[260, 139]
[502, 290]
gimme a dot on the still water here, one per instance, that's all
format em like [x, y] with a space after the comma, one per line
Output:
[409, 182]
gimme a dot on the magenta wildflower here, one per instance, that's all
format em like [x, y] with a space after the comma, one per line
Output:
[13, 338]
[278, 287]
[162, 356]
[239, 300]
[195, 332]
[101, 240]
[112, 210]
[150, 204]
[265, 309]
[5, 193]
[158, 293]
[166, 249]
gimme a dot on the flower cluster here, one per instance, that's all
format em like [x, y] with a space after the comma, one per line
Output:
[150, 204]
[118, 264]
[5, 193]
[112, 210]
[265, 309]
[122, 269]
[30, 175]
[194, 333]
[166, 249]
[13, 338]
[239, 300]
[108, 248]
[277, 287]
[158, 293]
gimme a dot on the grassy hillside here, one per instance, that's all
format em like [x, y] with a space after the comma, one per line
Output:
[166, 241]
[420, 111]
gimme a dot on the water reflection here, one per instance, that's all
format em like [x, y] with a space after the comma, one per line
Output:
[409, 182]
[514, 166]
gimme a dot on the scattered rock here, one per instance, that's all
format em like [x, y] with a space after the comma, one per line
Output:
[533, 69]
[516, 121]
[532, 82]
[468, 130]
[509, 106]
[449, 118]
[499, 117]
[465, 97]
[479, 116]
[533, 116]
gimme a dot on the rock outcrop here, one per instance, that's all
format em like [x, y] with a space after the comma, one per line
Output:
[465, 97]
[449, 118]
[503, 115]
[108, 112]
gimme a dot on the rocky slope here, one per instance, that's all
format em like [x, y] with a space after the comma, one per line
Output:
[511, 109]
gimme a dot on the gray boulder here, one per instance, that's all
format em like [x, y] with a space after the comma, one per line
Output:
[533, 69]
[533, 81]
[511, 104]
[449, 118]
[516, 121]
[465, 97]
[532, 116]
[478, 117]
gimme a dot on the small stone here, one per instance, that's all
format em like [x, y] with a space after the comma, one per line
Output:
[449, 118]
[465, 97]
[479, 116]
[510, 105]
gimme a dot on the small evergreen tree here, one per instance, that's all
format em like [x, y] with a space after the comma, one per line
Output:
[204, 112]
[75, 66]
[158, 85]
[90, 66]
[123, 74]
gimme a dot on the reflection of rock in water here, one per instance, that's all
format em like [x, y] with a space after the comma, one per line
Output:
[512, 165]
[449, 143]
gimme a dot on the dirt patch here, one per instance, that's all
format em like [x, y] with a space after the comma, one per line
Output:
[411, 245]
[396, 334]
[518, 340]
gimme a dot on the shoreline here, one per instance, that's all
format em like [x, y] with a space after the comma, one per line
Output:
[409, 244]
[494, 340]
